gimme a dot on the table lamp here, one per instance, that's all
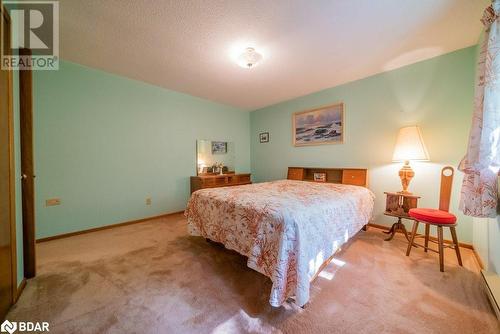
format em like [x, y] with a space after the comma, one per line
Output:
[409, 147]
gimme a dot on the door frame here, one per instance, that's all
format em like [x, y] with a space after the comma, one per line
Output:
[12, 171]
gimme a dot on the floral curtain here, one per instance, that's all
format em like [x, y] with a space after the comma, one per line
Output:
[481, 164]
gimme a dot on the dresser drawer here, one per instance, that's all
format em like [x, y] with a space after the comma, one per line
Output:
[220, 181]
[216, 180]
[354, 177]
[243, 179]
[208, 182]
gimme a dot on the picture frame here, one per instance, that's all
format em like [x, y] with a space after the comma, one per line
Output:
[219, 147]
[319, 177]
[319, 126]
[264, 137]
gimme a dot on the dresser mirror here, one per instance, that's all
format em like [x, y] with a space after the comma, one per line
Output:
[214, 157]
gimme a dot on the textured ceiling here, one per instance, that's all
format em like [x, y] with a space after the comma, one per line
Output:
[308, 45]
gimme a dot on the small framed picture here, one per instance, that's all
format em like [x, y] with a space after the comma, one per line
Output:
[319, 177]
[219, 147]
[264, 137]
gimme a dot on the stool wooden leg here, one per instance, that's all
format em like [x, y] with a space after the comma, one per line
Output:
[455, 241]
[441, 249]
[412, 238]
[427, 232]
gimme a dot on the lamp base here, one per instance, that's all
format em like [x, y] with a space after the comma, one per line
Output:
[406, 174]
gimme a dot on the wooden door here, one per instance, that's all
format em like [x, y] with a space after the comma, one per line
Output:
[27, 167]
[7, 229]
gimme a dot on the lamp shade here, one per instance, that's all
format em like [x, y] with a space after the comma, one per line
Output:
[410, 145]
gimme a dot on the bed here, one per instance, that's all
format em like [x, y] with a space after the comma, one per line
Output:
[288, 229]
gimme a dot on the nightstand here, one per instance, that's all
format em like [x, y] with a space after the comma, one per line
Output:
[397, 205]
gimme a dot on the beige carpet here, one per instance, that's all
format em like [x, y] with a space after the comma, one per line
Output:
[154, 278]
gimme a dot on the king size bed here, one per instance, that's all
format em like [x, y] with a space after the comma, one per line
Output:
[288, 229]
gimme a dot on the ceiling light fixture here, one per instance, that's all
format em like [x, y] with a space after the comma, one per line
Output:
[250, 58]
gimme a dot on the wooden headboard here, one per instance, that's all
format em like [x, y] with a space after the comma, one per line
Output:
[353, 176]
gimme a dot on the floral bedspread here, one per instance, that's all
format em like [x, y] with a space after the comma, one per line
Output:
[287, 229]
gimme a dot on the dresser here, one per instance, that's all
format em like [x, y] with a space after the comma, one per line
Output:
[352, 176]
[216, 180]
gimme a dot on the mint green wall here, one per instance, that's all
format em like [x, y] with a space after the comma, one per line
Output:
[18, 190]
[436, 94]
[104, 143]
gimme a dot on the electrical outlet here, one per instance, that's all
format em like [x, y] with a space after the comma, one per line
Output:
[148, 201]
[53, 202]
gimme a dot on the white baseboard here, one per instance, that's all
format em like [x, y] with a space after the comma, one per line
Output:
[492, 288]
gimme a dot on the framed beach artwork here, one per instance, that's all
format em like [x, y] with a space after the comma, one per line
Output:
[319, 126]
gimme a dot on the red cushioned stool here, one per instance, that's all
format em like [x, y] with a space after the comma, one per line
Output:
[439, 218]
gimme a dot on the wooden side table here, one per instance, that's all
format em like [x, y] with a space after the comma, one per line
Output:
[398, 205]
